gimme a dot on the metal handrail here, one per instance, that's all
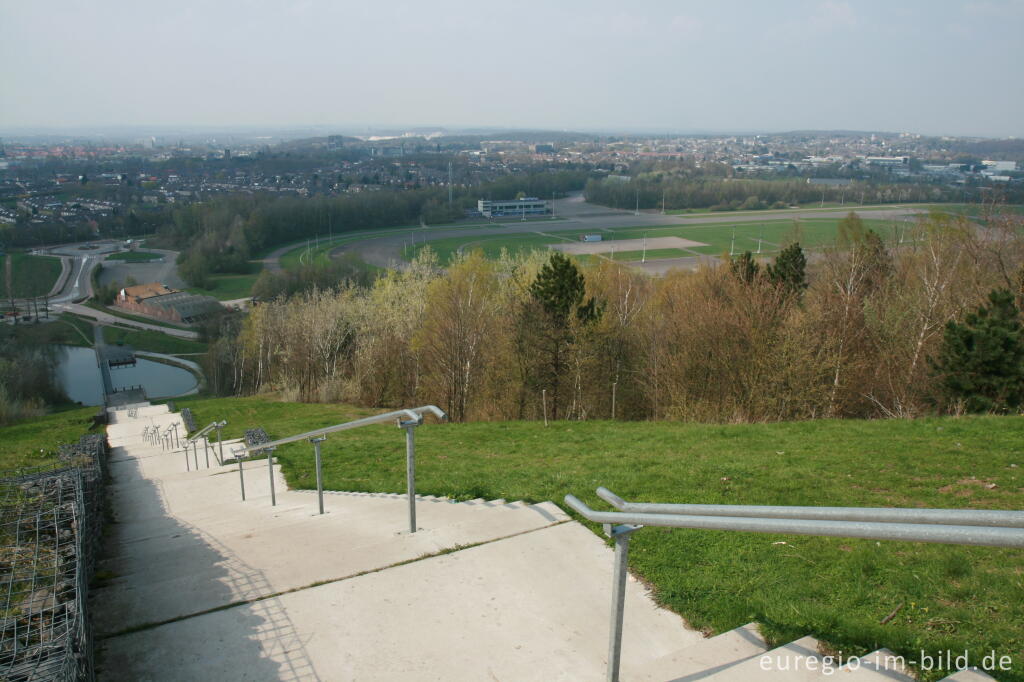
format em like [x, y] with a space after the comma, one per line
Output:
[965, 534]
[202, 433]
[205, 430]
[965, 517]
[413, 418]
[990, 528]
[414, 414]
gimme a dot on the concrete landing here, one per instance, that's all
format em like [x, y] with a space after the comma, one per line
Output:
[204, 586]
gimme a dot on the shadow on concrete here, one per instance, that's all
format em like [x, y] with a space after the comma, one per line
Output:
[140, 601]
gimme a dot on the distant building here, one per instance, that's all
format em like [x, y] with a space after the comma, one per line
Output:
[888, 161]
[162, 302]
[513, 207]
[830, 182]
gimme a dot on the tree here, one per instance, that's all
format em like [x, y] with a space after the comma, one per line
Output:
[557, 308]
[981, 361]
[790, 270]
[745, 267]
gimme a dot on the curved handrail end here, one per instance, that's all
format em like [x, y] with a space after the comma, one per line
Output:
[611, 498]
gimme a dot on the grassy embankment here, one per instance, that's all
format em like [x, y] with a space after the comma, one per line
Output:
[33, 442]
[154, 341]
[30, 275]
[64, 329]
[948, 597]
[230, 286]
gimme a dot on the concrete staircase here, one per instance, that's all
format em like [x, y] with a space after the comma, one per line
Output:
[742, 654]
[198, 584]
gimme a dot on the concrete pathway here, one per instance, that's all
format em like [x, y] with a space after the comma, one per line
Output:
[201, 585]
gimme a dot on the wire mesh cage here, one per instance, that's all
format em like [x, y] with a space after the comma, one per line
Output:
[188, 420]
[50, 522]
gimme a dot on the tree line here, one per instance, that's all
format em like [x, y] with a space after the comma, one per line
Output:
[222, 235]
[727, 194]
[872, 328]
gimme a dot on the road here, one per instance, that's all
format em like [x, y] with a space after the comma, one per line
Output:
[107, 318]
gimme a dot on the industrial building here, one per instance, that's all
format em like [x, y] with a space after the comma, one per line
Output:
[164, 303]
[531, 206]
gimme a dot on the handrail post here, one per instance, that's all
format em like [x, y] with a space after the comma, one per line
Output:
[319, 470]
[195, 455]
[177, 443]
[241, 476]
[410, 469]
[270, 468]
[187, 467]
[220, 443]
[206, 449]
[621, 535]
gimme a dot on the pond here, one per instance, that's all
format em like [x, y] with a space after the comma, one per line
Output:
[80, 377]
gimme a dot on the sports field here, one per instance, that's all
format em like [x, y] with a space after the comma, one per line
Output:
[712, 239]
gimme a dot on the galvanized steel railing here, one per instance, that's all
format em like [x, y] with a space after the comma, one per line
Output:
[949, 526]
[406, 419]
[204, 434]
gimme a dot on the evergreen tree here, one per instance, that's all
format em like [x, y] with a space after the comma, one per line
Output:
[745, 267]
[790, 270]
[982, 359]
[557, 297]
[559, 289]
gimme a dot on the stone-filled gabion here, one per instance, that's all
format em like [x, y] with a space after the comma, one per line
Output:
[188, 420]
[256, 436]
[50, 524]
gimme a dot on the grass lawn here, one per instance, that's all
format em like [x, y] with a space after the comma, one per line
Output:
[33, 442]
[65, 329]
[228, 287]
[769, 236]
[492, 245]
[135, 256]
[835, 589]
[154, 341]
[30, 275]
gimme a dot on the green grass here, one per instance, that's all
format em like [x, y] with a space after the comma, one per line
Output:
[836, 589]
[65, 329]
[153, 341]
[228, 287]
[33, 442]
[135, 256]
[492, 245]
[30, 275]
[717, 238]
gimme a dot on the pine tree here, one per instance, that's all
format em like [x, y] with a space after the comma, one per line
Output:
[745, 267]
[790, 270]
[557, 295]
[982, 359]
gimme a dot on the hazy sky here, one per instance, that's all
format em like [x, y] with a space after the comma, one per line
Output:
[928, 66]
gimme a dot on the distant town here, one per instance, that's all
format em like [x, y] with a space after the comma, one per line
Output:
[76, 184]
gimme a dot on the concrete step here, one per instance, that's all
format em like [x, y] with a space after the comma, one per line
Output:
[969, 675]
[530, 607]
[879, 665]
[798, 660]
[705, 658]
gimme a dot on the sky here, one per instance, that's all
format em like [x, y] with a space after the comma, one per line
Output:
[935, 67]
